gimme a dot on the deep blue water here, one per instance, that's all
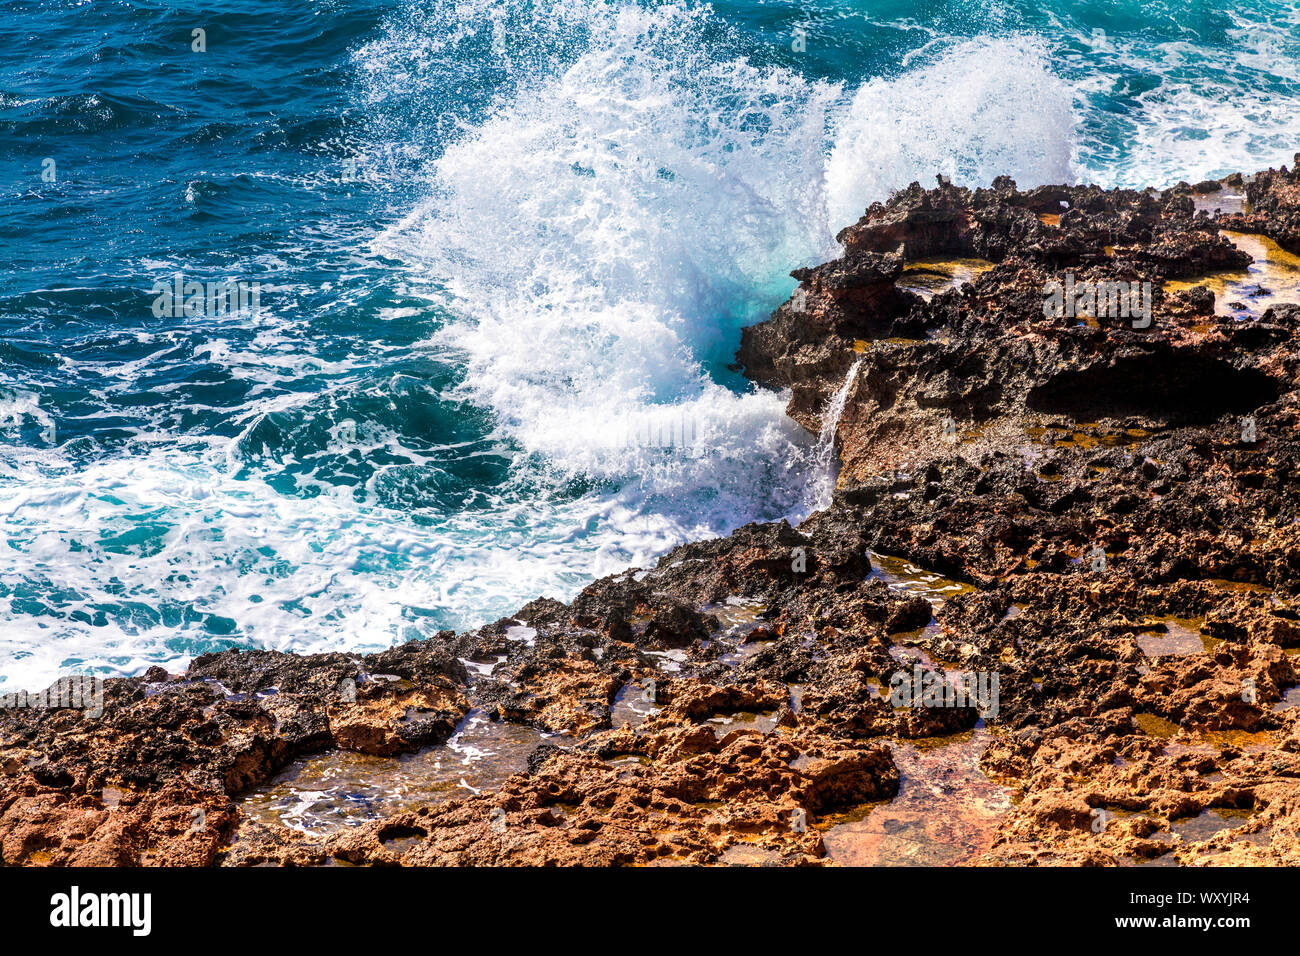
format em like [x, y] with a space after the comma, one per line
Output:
[498, 244]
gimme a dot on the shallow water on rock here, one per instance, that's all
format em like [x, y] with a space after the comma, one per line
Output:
[631, 706]
[321, 794]
[737, 615]
[946, 811]
[1272, 278]
[1153, 725]
[743, 652]
[903, 576]
[910, 654]
[1239, 587]
[669, 661]
[929, 277]
[745, 854]
[1088, 435]
[1207, 823]
[1182, 637]
[763, 722]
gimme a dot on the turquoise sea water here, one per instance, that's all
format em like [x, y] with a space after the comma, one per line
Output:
[503, 248]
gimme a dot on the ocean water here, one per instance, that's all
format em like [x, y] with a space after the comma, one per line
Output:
[502, 253]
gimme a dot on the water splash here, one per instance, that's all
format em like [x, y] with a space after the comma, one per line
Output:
[985, 108]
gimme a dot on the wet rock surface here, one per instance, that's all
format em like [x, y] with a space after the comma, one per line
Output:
[1101, 517]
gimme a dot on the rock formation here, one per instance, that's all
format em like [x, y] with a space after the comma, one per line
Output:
[1103, 516]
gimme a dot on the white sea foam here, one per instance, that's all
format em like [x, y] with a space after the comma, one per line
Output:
[151, 560]
[981, 109]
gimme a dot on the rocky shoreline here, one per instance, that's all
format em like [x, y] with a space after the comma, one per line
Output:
[1102, 517]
